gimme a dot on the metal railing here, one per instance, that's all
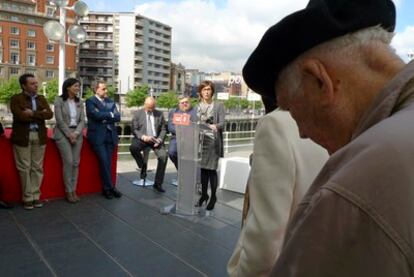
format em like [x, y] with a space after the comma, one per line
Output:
[230, 140]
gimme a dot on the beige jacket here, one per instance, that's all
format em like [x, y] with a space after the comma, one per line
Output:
[62, 114]
[357, 219]
[283, 168]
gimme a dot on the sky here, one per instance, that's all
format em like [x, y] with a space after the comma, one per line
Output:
[219, 35]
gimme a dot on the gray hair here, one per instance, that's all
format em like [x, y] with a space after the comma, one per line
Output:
[346, 48]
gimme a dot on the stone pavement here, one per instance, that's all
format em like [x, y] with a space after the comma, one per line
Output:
[120, 237]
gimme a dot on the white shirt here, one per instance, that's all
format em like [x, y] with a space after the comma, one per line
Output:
[152, 122]
[72, 112]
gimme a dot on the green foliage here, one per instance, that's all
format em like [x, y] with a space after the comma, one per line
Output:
[8, 89]
[87, 93]
[232, 103]
[258, 105]
[167, 100]
[52, 90]
[244, 103]
[194, 102]
[111, 91]
[136, 97]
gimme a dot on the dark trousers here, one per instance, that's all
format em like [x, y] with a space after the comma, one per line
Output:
[104, 152]
[209, 176]
[137, 146]
[172, 152]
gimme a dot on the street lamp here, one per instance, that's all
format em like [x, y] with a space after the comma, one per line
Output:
[55, 31]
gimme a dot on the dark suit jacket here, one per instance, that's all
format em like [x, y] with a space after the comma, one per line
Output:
[99, 118]
[21, 121]
[139, 124]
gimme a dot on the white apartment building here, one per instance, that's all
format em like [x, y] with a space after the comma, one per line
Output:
[133, 51]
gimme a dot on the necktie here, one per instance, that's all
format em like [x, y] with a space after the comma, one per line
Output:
[150, 131]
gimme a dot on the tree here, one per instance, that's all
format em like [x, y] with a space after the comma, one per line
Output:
[167, 100]
[52, 90]
[87, 93]
[8, 89]
[111, 91]
[258, 105]
[232, 103]
[136, 97]
[244, 103]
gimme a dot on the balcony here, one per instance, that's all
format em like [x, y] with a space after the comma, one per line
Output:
[96, 64]
[95, 56]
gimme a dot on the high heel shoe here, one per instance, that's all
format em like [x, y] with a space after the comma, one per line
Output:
[211, 204]
[202, 199]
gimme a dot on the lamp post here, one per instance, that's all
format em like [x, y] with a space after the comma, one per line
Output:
[55, 31]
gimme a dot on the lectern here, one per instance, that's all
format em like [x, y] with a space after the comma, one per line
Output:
[188, 148]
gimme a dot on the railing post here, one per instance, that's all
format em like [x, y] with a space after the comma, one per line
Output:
[226, 142]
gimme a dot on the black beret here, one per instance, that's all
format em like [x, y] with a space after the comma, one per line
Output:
[320, 21]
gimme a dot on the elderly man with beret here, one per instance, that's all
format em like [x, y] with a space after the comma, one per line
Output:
[331, 66]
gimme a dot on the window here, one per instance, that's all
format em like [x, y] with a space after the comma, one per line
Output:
[14, 31]
[1, 42]
[50, 60]
[1, 29]
[31, 21]
[1, 71]
[14, 58]
[31, 33]
[14, 71]
[50, 11]
[1, 56]
[14, 18]
[31, 45]
[31, 71]
[14, 43]
[49, 74]
[50, 47]
[31, 59]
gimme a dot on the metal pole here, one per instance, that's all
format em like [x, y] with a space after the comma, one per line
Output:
[62, 20]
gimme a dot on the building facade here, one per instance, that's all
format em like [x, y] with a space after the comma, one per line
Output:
[136, 51]
[177, 82]
[23, 46]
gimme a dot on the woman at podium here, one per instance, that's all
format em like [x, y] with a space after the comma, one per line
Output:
[211, 115]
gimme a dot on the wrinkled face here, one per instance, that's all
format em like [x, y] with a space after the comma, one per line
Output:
[101, 91]
[31, 85]
[206, 93]
[304, 106]
[184, 104]
[74, 89]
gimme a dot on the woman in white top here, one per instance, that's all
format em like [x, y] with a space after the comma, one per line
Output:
[70, 121]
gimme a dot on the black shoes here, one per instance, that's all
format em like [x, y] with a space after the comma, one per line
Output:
[5, 205]
[211, 204]
[202, 199]
[116, 193]
[107, 194]
[143, 171]
[158, 188]
[111, 193]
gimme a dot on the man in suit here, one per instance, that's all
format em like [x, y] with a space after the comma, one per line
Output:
[3, 204]
[102, 115]
[148, 127]
[29, 135]
[283, 168]
[184, 107]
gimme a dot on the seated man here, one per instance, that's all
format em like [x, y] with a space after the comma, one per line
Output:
[3, 205]
[148, 127]
[184, 107]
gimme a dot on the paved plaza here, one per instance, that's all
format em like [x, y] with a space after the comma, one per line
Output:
[120, 237]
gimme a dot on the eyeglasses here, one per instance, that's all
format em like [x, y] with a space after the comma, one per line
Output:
[184, 102]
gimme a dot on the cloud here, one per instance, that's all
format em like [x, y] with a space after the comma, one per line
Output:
[217, 38]
[403, 42]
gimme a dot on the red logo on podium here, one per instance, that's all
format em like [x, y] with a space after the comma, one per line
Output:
[181, 119]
